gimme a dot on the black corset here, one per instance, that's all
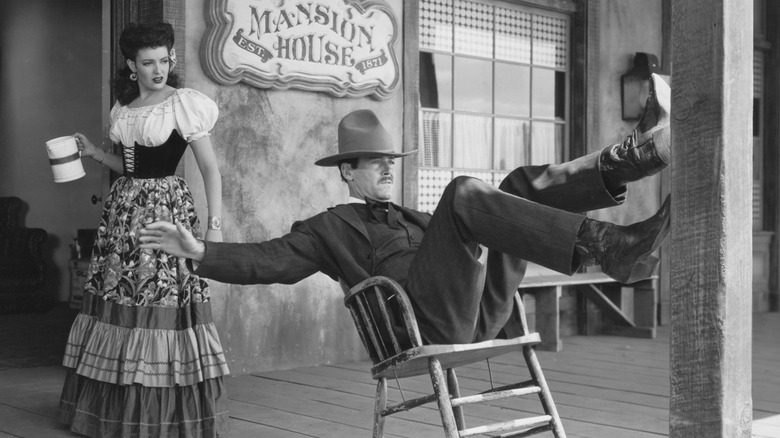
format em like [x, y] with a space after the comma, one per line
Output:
[154, 161]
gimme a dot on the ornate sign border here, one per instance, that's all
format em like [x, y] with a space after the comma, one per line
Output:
[220, 23]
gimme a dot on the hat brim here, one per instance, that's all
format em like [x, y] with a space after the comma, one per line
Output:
[334, 160]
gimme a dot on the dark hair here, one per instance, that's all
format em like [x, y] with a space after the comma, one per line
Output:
[137, 36]
[353, 163]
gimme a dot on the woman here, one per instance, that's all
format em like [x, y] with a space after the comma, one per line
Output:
[143, 356]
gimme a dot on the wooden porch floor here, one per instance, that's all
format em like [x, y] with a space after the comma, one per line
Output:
[603, 387]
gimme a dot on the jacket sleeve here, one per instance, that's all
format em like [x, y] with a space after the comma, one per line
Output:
[287, 259]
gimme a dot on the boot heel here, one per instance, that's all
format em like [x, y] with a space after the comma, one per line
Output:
[662, 139]
[642, 269]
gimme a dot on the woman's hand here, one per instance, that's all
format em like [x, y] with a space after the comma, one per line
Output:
[86, 147]
[173, 239]
[213, 235]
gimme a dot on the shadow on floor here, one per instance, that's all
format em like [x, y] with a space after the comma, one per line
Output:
[35, 339]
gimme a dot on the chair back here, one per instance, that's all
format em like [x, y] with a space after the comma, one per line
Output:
[11, 212]
[383, 316]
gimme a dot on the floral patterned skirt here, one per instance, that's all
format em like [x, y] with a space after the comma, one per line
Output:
[144, 356]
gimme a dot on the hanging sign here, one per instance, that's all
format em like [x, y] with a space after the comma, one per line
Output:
[342, 47]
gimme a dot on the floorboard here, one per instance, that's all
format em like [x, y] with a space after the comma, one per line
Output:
[603, 386]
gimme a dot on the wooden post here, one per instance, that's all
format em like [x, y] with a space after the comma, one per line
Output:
[411, 79]
[771, 157]
[712, 58]
[548, 318]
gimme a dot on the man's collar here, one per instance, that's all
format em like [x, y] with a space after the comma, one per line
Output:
[354, 200]
[386, 206]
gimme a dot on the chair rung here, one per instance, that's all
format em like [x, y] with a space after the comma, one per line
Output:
[526, 432]
[524, 384]
[522, 423]
[409, 404]
[494, 395]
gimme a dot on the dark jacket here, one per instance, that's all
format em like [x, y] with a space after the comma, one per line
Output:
[334, 242]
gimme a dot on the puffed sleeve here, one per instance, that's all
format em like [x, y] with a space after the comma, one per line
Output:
[196, 114]
[113, 133]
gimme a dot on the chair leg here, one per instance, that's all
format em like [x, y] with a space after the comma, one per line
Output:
[545, 396]
[452, 383]
[442, 397]
[379, 405]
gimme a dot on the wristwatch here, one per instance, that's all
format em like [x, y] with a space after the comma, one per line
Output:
[215, 223]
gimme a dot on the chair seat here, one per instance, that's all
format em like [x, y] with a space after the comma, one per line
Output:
[414, 361]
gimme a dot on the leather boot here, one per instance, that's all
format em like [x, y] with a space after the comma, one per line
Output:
[624, 252]
[646, 151]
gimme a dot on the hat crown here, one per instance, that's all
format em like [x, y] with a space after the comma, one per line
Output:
[362, 135]
[361, 131]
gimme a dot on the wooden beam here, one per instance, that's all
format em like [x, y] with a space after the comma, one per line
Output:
[771, 157]
[411, 88]
[712, 59]
[548, 318]
[580, 51]
[607, 307]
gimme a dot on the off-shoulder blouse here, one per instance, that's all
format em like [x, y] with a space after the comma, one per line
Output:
[191, 113]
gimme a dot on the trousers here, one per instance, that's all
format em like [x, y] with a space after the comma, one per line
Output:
[533, 216]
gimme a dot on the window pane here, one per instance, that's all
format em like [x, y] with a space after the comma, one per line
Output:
[435, 81]
[560, 95]
[513, 35]
[473, 85]
[473, 28]
[513, 86]
[546, 143]
[512, 140]
[549, 43]
[436, 140]
[473, 142]
[758, 196]
[431, 183]
[436, 25]
[548, 92]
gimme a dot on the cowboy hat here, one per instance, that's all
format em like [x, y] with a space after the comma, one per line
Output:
[361, 135]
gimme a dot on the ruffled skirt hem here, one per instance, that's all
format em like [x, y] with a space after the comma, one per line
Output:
[150, 346]
[99, 409]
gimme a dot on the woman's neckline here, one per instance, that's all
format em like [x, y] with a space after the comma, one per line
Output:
[167, 98]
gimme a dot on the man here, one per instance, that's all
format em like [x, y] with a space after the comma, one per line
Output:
[535, 215]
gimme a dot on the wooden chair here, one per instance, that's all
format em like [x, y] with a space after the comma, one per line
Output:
[380, 307]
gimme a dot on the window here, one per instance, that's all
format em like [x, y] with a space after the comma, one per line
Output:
[493, 91]
[758, 140]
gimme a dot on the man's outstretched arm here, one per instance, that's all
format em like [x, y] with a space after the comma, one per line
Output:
[287, 259]
[173, 239]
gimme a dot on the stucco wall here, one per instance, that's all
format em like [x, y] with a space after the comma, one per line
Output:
[266, 142]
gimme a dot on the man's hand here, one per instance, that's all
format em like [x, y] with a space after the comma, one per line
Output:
[173, 239]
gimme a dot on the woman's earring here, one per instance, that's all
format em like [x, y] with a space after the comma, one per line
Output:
[133, 76]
